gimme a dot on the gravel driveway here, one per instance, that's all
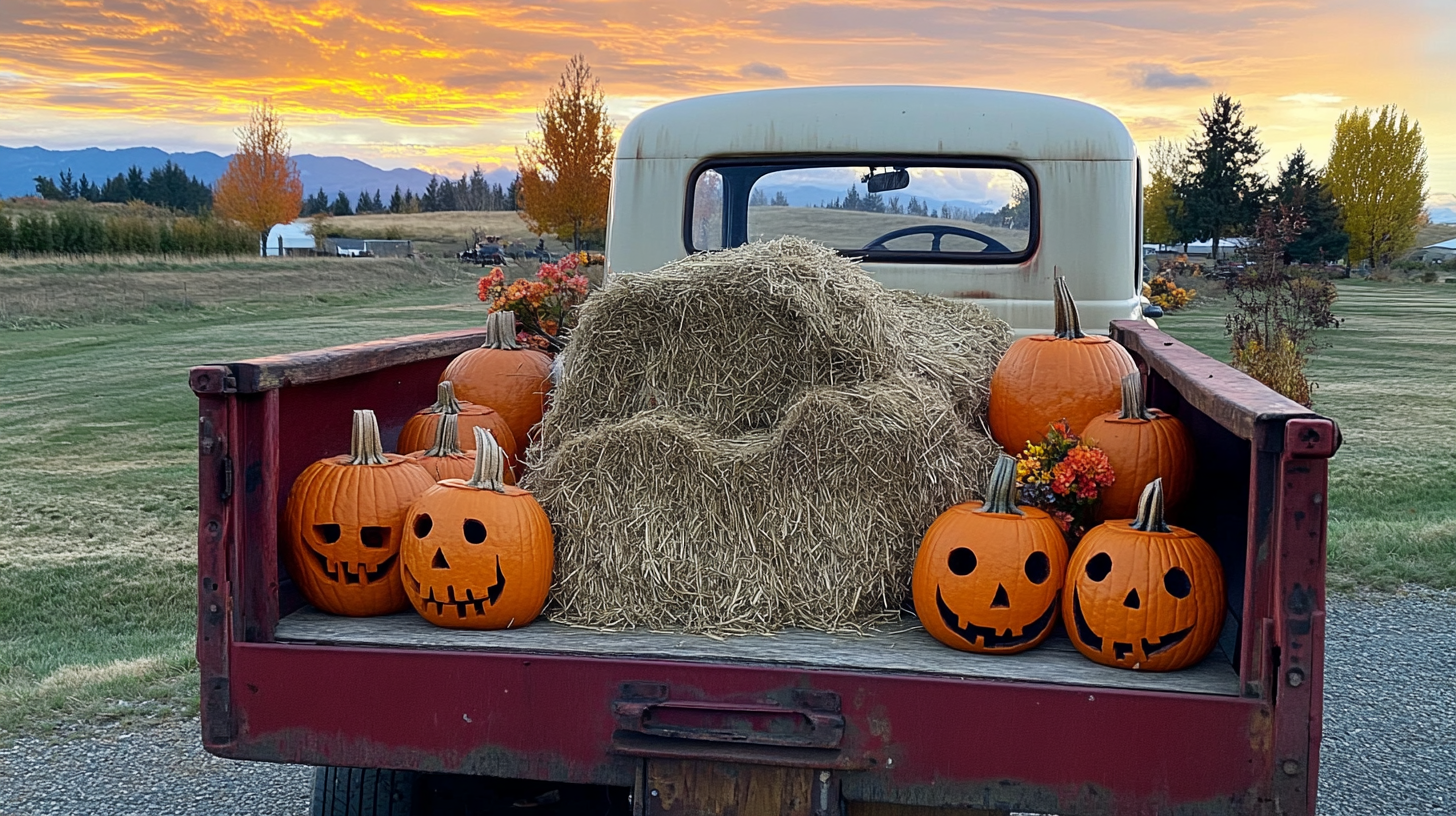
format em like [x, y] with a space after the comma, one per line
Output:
[1389, 736]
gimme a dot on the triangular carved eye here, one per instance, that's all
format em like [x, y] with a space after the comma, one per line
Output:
[439, 562]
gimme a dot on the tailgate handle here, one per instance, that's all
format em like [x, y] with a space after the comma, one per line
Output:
[812, 722]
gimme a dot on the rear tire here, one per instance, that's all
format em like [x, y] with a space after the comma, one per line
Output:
[363, 792]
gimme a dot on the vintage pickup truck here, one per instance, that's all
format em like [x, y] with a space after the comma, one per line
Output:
[975, 194]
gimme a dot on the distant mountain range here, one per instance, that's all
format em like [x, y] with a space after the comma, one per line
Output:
[1443, 215]
[20, 165]
[804, 195]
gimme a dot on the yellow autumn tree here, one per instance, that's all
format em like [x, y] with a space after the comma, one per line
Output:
[261, 186]
[566, 168]
[1160, 198]
[1377, 174]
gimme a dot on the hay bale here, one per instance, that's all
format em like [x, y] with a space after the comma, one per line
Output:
[767, 452]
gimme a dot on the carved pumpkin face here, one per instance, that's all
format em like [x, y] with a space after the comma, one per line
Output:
[1144, 595]
[989, 575]
[477, 554]
[344, 522]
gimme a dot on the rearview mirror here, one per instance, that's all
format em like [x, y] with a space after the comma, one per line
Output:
[890, 180]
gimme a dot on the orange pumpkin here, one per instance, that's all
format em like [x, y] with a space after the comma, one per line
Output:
[419, 430]
[343, 524]
[478, 554]
[1142, 594]
[1046, 377]
[505, 376]
[1141, 445]
[989, 575]
[445, 459]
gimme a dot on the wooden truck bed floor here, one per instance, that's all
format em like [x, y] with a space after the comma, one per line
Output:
[899, 648]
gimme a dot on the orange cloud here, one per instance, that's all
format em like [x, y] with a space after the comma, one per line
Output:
[443, 83]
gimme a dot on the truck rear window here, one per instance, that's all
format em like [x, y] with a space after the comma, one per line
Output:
[884, 209]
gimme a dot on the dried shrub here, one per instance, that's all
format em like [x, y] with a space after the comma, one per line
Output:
[1278, 310]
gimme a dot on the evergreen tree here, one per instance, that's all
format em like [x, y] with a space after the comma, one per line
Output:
[852, 200]
[341, 205]
[136, 184]
[512, 194]
[758, 198]
[115, 190]
[1324, 237]
[779, 199]
[411, 202]
[47, 189]
[67, 185]
[377, 205]
[317, 203]
[365, 204]
[430, 199]
[874, 202]
[1223, 192]
[396, 201]
[447, 196]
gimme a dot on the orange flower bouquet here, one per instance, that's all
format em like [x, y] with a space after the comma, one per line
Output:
[1063, 475]
[546, 306]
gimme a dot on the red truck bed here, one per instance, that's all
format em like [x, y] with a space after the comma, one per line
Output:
[887, 717]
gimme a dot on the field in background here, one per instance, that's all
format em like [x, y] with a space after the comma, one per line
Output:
[1386, 379]
[848, 229]
[98, 461]
[441, 233]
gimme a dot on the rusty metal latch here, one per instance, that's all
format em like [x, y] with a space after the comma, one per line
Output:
[811, 721]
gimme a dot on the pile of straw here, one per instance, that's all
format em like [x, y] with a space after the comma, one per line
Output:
[756, 439]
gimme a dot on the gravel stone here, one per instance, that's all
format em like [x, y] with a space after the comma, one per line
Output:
[163, 770]
[1389, 736]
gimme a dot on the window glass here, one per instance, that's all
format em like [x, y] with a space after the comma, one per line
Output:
[942, 209]
[707, 213]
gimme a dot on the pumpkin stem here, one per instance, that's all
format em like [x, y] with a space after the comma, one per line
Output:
[445, 401]
[500, 330]
[1001, 491]
[364, 445]
[1134, 406]
[490, 463]
[1069, 324]
[447, 436]
[1150, 509]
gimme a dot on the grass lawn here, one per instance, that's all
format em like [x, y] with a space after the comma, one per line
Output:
[1387, 379]
[98, 458]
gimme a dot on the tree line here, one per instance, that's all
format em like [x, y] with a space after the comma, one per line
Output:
[471, 192]
[1365, 205]
[79, 231]
[167, 186]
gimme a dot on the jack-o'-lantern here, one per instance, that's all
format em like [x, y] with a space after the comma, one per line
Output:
[419, 430]
[445, 459]
[344, 521]
[1046, 377]
[989, 574]
[1142, 594]
[506, 376]
[478, 554]
[1141, 444]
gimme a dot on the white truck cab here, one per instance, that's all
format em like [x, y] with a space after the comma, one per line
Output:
[967, 193]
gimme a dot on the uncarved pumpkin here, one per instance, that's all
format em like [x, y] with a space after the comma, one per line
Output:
[1046, 377]
[445, 459]
[478, 554]
[1141, 444]
[1142, 594]
[344, 521]
[505, 376]
[989, 575]
[419, 430]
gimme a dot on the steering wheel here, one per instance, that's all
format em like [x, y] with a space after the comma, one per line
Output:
[938, 231]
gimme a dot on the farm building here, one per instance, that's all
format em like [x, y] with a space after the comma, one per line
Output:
[368, 247]
[289, 239]
[1442, 252]
[1228, 248]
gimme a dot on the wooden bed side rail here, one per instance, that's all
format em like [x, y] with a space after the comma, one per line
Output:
[1244, 406]
[301, 368]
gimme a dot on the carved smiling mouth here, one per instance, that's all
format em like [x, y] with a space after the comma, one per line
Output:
[990, 638]
[342, 571]
[464, 607]
[1121, 650]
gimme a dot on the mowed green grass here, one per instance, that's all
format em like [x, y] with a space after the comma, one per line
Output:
[1389, 378]
[98, 475]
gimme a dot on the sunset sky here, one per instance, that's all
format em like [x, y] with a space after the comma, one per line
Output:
[443, 84]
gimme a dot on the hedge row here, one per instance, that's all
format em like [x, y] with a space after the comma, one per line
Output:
[74, 231]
